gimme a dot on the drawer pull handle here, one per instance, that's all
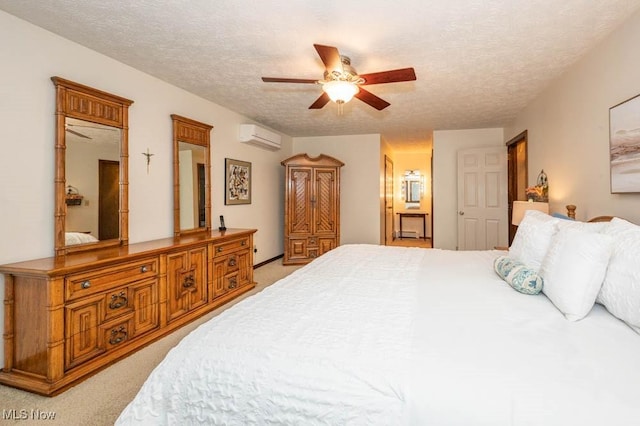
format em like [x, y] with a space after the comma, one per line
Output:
[232, 261]
[233, 282]
[86, 284]
[189, 281]
[144, 269]
[243, 243]
[118, 335]
[118, 300]
[219, 249]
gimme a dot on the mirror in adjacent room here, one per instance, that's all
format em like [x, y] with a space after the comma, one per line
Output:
[413, 187]
[91, 168]
[191, 176]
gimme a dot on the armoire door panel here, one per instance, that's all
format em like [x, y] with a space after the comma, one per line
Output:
[325, 195]
[300, 208]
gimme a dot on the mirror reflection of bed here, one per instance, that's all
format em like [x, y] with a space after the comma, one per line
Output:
[92, 168]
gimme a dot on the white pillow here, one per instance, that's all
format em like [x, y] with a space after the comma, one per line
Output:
[620, 293]
[574, 269]
[532, 238]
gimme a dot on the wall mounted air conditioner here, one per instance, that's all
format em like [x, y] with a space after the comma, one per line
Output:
[256, 135]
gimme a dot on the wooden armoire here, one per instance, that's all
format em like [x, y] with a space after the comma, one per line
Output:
[312, 207]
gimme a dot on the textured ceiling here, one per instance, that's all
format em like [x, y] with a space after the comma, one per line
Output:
[478, 62]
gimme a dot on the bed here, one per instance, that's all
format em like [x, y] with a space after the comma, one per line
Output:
[405, 336]
[73, 238]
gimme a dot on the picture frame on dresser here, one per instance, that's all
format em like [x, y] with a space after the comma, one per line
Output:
[624, 146]
[237, 182]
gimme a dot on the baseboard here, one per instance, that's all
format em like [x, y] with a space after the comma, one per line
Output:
[273, 259]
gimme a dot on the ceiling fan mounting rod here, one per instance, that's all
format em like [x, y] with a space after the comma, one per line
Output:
[348, 73]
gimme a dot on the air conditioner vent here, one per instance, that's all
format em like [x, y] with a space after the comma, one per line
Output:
[258, 136]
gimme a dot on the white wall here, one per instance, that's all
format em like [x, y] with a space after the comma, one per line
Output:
[30, 56]
[568, 127]
[359, 182]
[446, 144]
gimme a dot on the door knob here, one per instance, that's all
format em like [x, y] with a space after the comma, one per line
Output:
[461, 213]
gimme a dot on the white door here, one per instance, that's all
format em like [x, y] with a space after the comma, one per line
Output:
[482, 198]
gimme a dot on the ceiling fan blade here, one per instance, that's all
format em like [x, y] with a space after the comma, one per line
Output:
[393, 76]
[330, 58]
[98, 127]
[371, 99]
[73, 132]
[287, 80]
[320, 102]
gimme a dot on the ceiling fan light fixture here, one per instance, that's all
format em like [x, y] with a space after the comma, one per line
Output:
[340, 91]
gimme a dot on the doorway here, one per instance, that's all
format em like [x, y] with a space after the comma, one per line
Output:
[410, 224]
[108, 200]
[388, 201]
[517, 175]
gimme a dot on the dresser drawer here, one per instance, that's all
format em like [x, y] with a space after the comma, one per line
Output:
[222, 249]
[231, 263]
[117, 333]
[97, 280]
[227, 283]
[117, 302]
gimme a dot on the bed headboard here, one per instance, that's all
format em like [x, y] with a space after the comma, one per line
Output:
[571, 212]
[601, 219]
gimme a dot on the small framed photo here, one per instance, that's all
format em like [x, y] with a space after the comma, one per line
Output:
[624, 146]
[237, 182]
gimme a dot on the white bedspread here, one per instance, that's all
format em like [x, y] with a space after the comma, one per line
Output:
[369, 335]
[329, 344]
[485, 354]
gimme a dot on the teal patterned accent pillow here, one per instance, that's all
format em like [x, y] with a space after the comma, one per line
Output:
[518, 275]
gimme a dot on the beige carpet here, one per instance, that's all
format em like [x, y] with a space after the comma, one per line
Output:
[100, 399]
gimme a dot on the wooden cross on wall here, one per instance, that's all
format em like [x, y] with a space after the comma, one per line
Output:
[148, 155]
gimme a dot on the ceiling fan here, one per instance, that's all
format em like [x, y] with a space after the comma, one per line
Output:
[341, 81]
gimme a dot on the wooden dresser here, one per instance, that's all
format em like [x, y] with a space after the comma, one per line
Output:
[67, 317]
[312, 207]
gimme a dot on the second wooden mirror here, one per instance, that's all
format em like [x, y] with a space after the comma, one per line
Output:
[191, 176]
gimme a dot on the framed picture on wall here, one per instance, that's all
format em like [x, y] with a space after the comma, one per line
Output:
[237, 182]
[624, 146]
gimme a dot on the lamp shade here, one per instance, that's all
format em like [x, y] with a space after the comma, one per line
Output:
[340, 91]
[520, 207]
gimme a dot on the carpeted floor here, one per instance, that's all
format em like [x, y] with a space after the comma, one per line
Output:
[100, 399]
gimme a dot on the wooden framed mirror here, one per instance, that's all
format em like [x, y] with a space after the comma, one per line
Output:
[92, 173]
[191, 176]
[413, 187]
